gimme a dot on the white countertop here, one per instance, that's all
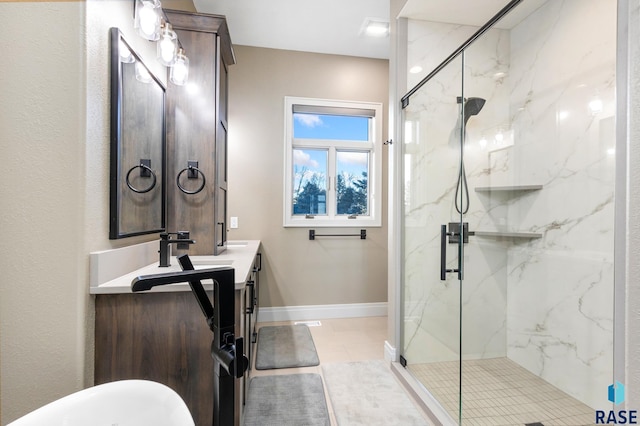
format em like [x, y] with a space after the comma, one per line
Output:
[110, 274]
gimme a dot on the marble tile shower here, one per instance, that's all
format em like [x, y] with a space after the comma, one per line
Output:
[537, 287]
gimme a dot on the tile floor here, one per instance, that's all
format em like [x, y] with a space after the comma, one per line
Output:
[533, 399]
[500, 392]
[339, 340]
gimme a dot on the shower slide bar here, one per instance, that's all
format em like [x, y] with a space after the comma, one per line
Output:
[362, 234]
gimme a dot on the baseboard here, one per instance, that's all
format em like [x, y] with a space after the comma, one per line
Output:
[315, 312]
[390, 352]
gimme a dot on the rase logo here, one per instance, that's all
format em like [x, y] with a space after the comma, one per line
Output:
[620, 417]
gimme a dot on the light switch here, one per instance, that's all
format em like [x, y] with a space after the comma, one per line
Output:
[234, 222]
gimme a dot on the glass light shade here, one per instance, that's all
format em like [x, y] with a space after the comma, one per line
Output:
[179, 72]
[142, 74]
[126, 57]
[167, 46]
[147, 18]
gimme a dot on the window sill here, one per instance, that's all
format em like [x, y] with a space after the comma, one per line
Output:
[318, 222]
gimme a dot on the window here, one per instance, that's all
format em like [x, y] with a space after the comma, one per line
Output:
[333, 163]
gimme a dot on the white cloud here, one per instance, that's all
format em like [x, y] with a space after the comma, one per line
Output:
[353, 158]
[308, 120]
[301, 158]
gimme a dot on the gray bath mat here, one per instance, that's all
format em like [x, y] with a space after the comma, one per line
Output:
[366, 394]
[285, 346]
[286, 400]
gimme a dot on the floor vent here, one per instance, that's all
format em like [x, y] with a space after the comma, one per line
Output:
[308, 323]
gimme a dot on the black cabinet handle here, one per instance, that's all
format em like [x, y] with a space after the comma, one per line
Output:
[222, 236]
[259, 268]
[443, 252]
[252, 287]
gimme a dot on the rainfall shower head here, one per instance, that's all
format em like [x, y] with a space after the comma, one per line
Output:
[472, 106]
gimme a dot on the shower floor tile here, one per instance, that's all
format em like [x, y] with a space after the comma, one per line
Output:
[498, 391]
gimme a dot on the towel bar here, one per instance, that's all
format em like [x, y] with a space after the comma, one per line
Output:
[362, 234]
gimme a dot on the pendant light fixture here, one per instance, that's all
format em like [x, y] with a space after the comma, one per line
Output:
[151, 23]
[147, 18]
[167, 47]
[179, 72]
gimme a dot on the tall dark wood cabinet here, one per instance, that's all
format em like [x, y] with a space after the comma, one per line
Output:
[197, 133]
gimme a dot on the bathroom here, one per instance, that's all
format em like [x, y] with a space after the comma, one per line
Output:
[46, 313]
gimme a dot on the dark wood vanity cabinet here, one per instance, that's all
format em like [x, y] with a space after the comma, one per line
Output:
[163, 337]
[251, 316]
[197, 133]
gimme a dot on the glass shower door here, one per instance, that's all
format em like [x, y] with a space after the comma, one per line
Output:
[514, 144]
[433, 129]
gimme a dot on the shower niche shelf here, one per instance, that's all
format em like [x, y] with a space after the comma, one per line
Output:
[509, 188]
[511, 234]
[508, 191]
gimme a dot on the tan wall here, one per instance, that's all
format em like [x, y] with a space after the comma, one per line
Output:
[298, 271]
[54, 147]
[43, 301]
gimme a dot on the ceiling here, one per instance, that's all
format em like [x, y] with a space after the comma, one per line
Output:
[327, 26]
[317, 26]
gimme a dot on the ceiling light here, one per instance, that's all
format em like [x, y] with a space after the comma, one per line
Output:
[415, 69]
[375, 27]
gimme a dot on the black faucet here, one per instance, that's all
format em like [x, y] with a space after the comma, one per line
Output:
[182, 241]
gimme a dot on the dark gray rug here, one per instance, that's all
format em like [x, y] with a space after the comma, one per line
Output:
[285, 346]
[286, 400]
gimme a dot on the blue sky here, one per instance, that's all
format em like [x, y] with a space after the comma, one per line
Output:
[333, 127]
[330, 127]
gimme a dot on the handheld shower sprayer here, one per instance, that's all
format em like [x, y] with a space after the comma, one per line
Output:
[470, 107]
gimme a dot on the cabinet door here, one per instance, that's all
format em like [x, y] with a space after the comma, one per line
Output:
[220, 233]
[221, 189]
[191, 137]
[161, 337]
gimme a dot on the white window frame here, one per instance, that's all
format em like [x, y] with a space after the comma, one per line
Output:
[374, 177]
